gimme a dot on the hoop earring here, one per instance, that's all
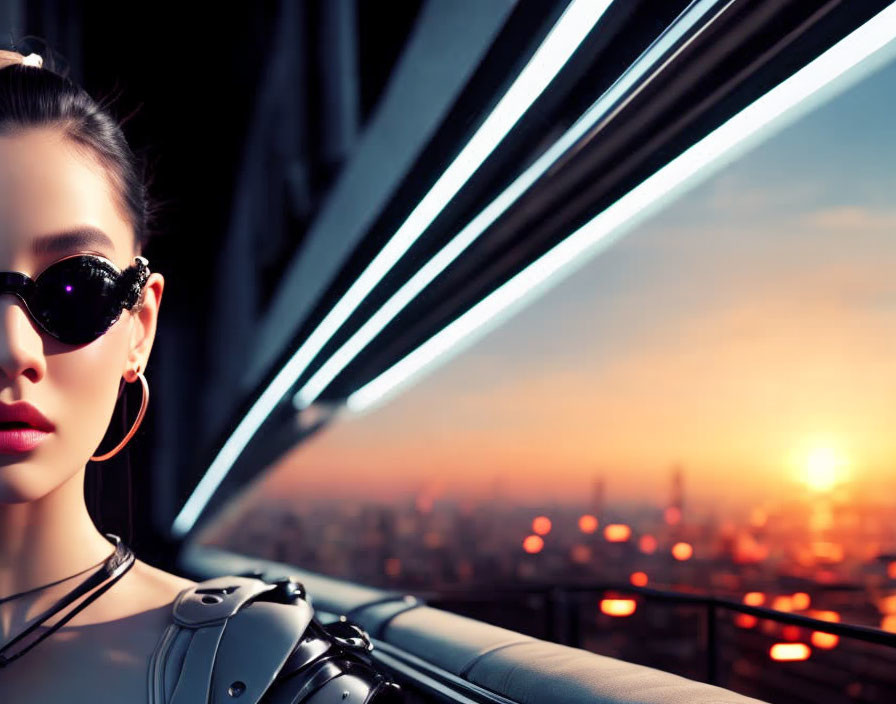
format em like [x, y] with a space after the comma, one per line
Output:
[144, 402]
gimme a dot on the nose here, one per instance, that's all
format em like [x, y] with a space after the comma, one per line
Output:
[21, 341]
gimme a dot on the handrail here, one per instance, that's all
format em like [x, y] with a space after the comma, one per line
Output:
[869, 634]
[466, 660]
[432, 679]
[556, 598]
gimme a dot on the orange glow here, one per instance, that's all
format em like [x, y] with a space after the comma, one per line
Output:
[587, 523]
[801, 601]
[682, 551]
[891, 570]
[888, 623]
[825, 615]
[639, 579]
[745, 620]
[825, 576]
[747, 549]
[618, 607]
[647, 544]
[758, 518]
[533, 544]
[617, 532]
[782, 603]
[672, 515]
[825, 641]
[787, 652]
[791, 632]
[804, 557]
[754, 598]
[822, 519]
[393, 566]
[827, 551]
[541, 525]
[580, 554]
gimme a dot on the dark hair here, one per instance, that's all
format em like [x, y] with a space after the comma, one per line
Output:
[40, 97]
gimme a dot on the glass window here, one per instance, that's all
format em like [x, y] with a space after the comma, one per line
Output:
[708, 405]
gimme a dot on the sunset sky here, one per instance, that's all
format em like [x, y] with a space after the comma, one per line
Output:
[748, 324]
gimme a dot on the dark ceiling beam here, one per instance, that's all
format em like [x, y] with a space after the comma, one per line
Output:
[339, 80]
[271, 146]
[12, 20]
[423, 87]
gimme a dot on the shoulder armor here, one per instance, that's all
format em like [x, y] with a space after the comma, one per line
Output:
[332, 664]
[242, 637]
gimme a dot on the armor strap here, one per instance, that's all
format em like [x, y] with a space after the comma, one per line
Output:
[223, 644]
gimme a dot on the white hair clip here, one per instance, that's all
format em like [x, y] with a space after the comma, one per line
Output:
[35, 60]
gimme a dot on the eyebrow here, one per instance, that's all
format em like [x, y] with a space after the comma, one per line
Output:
[84, 237]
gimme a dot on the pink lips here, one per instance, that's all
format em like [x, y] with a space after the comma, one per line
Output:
[31, 429]
[24, 412]
[15, 440]
[22, 427]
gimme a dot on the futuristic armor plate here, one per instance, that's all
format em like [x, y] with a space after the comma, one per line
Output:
[241, 638]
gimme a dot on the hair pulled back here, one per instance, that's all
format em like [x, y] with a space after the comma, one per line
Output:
[32, 97]
[35, 97]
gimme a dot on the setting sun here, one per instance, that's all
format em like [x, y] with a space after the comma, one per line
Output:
[823, 469]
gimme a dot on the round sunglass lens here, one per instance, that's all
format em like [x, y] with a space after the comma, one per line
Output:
[75, 299]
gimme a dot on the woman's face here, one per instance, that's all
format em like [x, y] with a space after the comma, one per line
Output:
[47, 186]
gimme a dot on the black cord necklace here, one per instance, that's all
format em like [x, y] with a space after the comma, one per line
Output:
[52, 584]
[115, 566]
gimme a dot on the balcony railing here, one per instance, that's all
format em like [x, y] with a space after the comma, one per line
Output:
[442, 656]
[561, 606]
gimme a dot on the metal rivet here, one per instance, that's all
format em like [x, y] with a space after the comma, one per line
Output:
[211, 599]
[236, 689]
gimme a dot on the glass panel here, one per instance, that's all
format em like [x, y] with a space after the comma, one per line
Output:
[707, 406]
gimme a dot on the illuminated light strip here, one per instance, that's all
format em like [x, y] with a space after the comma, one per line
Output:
[555, 50]
[603, 107]
[743, 131]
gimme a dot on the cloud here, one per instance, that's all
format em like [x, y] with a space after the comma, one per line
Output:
[734, 193]
[850, 218]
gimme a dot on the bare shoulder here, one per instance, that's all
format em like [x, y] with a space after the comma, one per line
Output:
[114, 636]
[157, 586]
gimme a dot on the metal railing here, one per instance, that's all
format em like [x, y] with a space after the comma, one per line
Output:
[559, 604]
[562, 620]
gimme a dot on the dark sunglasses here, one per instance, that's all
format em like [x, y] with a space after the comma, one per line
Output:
[78, 298]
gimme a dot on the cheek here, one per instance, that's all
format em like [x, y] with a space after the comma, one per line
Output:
[79, 391]
[86, 381]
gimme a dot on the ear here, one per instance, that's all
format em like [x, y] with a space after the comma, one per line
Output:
[145, 316]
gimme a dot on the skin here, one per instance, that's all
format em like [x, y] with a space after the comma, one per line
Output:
[46, 534]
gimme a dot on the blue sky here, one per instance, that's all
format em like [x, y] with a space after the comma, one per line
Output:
[749, 322]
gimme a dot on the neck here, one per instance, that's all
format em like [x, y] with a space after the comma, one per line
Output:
[42, 541]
